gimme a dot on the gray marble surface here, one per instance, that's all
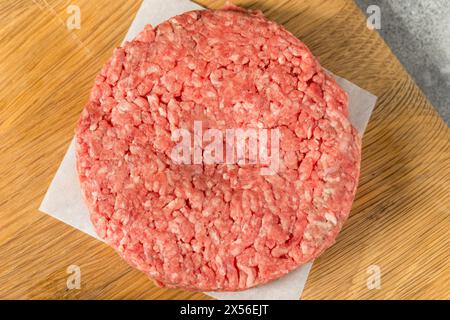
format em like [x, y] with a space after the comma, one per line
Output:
[418, 32]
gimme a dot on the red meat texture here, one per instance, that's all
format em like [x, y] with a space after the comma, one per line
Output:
[216, 227]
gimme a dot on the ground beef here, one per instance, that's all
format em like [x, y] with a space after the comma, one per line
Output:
[220, 227]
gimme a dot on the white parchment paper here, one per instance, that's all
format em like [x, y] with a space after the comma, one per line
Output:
[64, 202]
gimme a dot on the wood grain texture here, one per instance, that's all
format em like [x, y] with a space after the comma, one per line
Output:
[400, 218]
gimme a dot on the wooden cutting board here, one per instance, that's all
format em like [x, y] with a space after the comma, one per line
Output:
[400, 218]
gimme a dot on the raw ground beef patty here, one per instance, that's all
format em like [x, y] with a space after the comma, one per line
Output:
[220, 227]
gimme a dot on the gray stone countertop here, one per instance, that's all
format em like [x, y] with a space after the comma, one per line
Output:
[418, 32]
